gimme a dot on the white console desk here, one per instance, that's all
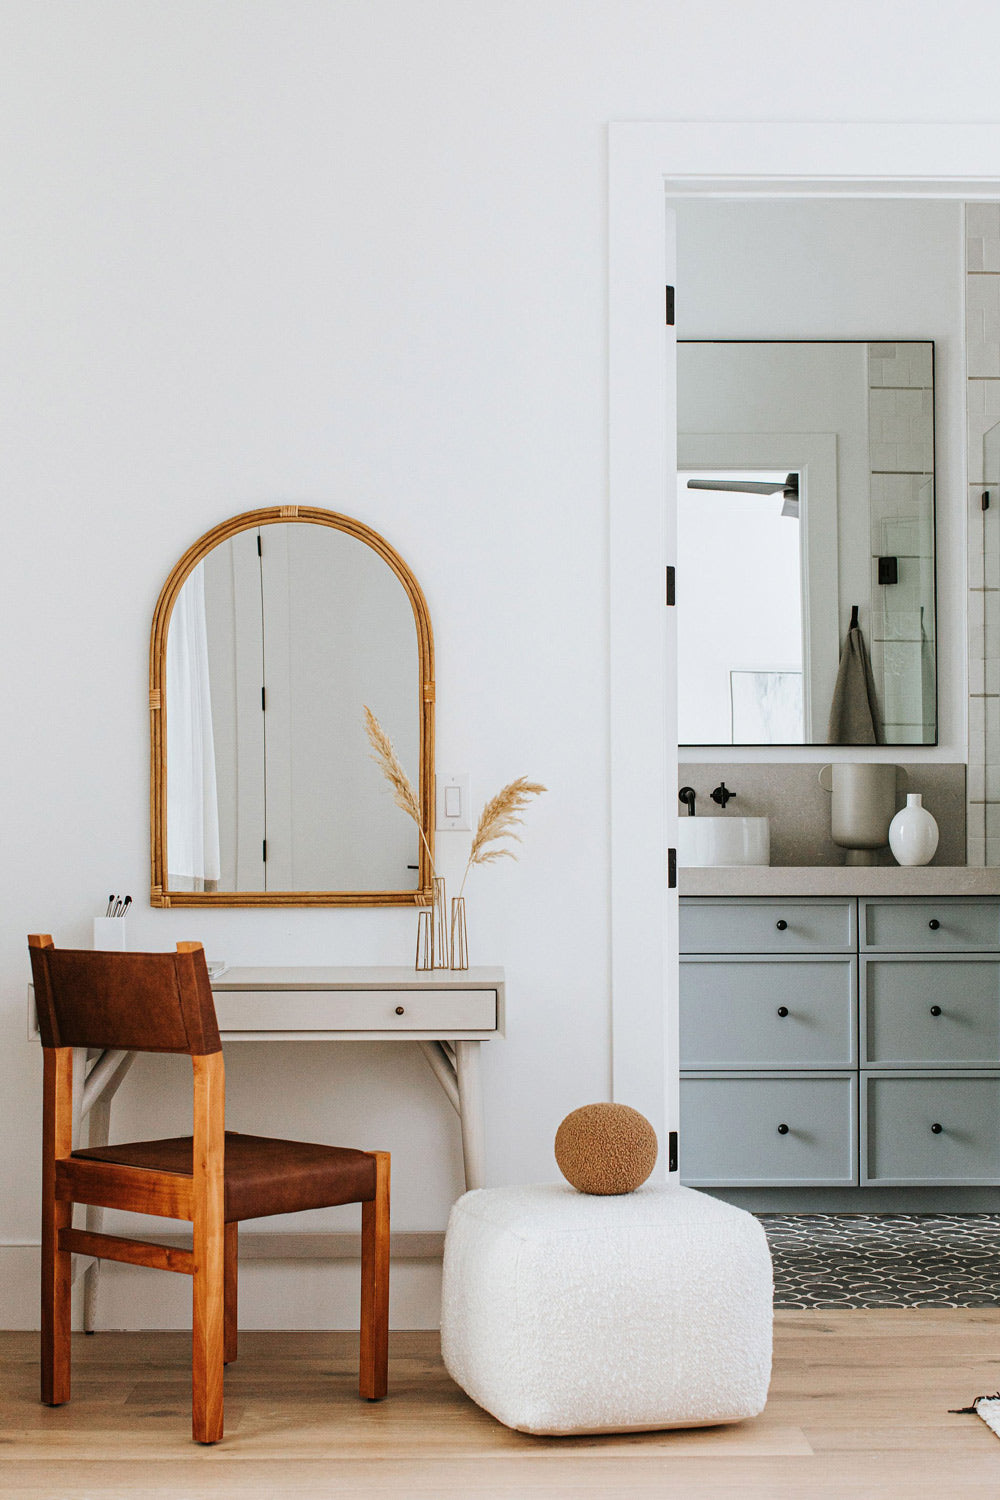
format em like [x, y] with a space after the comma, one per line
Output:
[448, 1013]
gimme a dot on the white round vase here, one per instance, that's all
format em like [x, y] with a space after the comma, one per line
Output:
[913, 833]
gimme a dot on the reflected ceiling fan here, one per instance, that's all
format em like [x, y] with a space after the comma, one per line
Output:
[787, 487]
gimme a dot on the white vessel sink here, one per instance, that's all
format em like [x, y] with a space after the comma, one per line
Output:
[705, 842]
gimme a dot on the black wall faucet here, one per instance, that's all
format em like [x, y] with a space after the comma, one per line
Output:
[687, 796]
[722, 794]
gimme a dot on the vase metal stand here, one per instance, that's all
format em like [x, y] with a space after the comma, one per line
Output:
[459, 935]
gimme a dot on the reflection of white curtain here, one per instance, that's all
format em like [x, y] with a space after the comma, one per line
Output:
[192, 799]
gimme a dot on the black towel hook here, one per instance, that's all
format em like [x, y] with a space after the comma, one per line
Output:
[854, 617]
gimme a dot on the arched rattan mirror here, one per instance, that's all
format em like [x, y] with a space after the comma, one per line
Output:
[271, 636]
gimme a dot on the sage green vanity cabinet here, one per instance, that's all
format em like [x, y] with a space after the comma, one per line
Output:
[771, 1129]
[803, 925]
[762, 1012]
[868, 1028]
[925, 1129]
[923, 1012]
[930, 924]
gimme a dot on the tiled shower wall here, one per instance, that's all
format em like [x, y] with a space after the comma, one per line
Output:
[901, 456]
[982, 319]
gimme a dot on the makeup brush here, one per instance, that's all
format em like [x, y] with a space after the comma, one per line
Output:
[111, 902]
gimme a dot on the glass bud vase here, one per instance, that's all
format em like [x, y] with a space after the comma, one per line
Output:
[425, 940]
[439, 926]
[459, 936]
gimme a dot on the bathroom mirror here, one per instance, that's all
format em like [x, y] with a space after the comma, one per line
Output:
[271, 636]
[806, 503]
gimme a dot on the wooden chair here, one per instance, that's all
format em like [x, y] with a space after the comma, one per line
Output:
[162, 1002]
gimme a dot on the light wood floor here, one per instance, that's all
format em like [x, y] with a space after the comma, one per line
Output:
[858, 1407]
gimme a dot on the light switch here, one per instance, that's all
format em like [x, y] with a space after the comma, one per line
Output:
[453, 801]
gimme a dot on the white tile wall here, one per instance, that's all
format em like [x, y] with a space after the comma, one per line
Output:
[982, 314]
[901, 463]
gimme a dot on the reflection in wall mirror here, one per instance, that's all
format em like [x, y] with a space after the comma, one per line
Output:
[805, 505]
[271, 636]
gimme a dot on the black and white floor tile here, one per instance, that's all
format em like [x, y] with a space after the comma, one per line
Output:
[884, 1260]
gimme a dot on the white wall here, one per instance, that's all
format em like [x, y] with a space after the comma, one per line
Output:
[349, 255]
[849, 269]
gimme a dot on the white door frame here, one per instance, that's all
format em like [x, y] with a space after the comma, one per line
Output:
[648, 165]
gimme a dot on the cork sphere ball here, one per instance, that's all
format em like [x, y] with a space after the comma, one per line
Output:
[606, 1148]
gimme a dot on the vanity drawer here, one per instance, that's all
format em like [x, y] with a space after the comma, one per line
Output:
[899, 1112]
[767, 1012]
[438, 1011]
[956, 924]
[730, 1136]
[738, 925]
[924, 1012]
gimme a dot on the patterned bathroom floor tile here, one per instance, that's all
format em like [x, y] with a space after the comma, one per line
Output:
[884, 1260]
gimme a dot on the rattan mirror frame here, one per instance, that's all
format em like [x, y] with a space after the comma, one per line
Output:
[160, 895]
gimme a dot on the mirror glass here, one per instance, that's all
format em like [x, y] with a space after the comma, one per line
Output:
[805, 507]
[278, 638]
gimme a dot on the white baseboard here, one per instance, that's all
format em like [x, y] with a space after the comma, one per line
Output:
[310, 1281]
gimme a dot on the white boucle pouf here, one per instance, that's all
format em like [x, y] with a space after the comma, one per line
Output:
[566, 1313]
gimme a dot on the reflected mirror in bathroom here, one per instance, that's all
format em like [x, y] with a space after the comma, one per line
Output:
[805, 500]
[270, 637]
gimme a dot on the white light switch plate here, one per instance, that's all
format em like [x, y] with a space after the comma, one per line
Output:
[453, 810]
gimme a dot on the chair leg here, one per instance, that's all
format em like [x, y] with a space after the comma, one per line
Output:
[57, 1282]
[231, 1295]
[375, 1285]
[57, 1264]
[208, 1341]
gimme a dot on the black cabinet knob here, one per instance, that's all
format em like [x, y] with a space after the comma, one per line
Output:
[400, 1010]
[936, 1129]
[934, 924]
[781, 924]
[935, 1010]
[782, 1011]
[783, 1129]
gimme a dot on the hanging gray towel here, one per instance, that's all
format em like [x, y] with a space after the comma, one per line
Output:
[854, 718]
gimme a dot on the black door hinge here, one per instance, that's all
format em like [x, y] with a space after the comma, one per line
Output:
[671, 869]
[985, 502]
[670, 307]
[672, 1151]
[259, 552]
[263, 700]
[263, 850]
[671, 587]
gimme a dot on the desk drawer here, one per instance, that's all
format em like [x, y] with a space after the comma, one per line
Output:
[737, 925]
[956, 924]
[440, 1011]
[931, 1012]
[903, 1148]
[767, 1012]
[730, 1134]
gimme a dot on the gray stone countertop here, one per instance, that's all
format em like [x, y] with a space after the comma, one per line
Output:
[840, 880]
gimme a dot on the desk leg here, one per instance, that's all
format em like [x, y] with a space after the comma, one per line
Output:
[99, 1130]
[470, 1098]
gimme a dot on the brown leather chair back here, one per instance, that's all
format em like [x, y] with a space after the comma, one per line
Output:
[140, 1002]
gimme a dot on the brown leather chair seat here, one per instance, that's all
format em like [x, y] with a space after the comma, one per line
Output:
[262, 1176]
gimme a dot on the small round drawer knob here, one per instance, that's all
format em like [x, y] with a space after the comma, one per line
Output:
[936, 1129]
[400, 1010]
[781, 924]
[935, 1010]
[783, 1129]
[782, 1011]
[934, 924]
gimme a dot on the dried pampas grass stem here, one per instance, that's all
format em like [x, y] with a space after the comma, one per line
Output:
[385, 757]
[499, 819]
